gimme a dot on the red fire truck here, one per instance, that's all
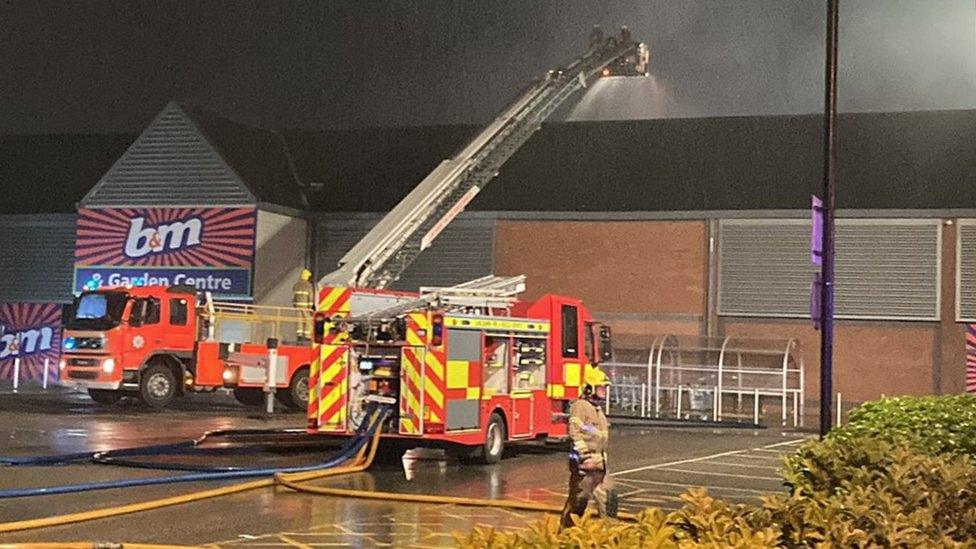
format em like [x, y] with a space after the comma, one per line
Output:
[157, 343]
[468, 367]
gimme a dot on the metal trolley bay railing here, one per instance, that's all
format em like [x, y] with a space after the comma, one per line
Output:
[708, 379]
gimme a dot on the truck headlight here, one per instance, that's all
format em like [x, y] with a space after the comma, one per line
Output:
[62, 363]
[230, 375]
[108, 365]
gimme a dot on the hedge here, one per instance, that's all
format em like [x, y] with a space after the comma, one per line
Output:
[900, 474]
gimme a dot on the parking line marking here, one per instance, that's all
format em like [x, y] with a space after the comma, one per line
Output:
[687, 486]
[716, 474]
[679, 462]
[727, 464]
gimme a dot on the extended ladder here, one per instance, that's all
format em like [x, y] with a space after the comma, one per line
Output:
[412, 225]
[486, 293]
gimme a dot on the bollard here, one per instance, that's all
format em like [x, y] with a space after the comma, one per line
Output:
[716, 404]
[272, 375]
[643, 400]
[679, 402]
[839, 403]
[796, 409]
[47, 365]
[16, 373]
[755, 407]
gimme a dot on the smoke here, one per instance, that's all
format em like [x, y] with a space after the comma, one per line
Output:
[627, 98]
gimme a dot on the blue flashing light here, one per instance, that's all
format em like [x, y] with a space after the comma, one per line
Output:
[69, 343]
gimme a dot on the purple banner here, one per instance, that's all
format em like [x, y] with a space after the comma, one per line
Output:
[816, 230]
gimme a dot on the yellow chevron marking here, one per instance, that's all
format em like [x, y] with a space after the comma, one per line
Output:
[337, 418]
[435, 394]
[407, 426]
[435, 367]
[332, 397]
[331, 298]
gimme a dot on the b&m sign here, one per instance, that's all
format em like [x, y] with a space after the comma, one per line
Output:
[211, 249]
[30, 332]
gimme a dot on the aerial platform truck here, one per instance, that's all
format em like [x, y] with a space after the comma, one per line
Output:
[468, 367]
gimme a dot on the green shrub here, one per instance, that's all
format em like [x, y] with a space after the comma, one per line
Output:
[902, 473]
[932, 425]
[859, 492]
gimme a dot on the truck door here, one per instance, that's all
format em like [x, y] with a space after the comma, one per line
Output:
[180, 334]
[568, 351]
[412, 374]
[142, 335]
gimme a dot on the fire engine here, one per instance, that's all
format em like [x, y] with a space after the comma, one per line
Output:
[468, 366]
[158, 342]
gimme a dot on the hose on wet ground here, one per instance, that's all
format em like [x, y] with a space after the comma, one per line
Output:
[297, 481]
[105, 456]
[351, 446]
[360, 462]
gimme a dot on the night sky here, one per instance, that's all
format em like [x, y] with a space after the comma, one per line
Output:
[111, 66]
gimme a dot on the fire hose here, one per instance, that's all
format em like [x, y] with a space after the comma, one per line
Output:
[349, 449]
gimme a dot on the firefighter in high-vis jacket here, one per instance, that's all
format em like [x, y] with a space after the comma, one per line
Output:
[302, 295]
[589, 432]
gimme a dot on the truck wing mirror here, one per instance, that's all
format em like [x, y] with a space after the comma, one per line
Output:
[606, 344]
[318, 327]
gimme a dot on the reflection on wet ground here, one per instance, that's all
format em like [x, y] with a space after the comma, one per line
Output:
[651, 467]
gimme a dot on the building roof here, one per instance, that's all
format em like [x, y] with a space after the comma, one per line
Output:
[258, 156]
[914, 160]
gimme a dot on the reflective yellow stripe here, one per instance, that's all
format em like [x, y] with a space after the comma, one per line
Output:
[572, 373]
[435, 394]
[476, 323]
[457, 374]
[473, 392]
[330, 299]
[435, 366]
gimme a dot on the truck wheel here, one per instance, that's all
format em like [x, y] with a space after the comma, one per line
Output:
[494, 446]
[157, 388]
[249, 396]
[296, 396]
[103, 396]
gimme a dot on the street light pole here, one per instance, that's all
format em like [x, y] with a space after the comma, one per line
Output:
[827, 273]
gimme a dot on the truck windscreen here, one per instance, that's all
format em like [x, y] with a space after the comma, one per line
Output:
[97, 311]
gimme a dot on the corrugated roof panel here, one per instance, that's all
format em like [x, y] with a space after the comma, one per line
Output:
[36, 257]
[170, 164]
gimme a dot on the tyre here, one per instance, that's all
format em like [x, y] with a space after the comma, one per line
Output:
[103, 396]
[490, 452]
[296, 395]
[157, 386]
[249, 396]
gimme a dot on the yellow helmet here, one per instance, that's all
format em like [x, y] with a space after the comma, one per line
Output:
[594, 377]
[306, 274]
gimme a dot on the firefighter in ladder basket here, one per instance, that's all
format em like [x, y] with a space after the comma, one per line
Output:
[589, 432]
[302, 294]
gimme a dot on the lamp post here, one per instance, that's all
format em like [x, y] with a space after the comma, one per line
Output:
[827, 267]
